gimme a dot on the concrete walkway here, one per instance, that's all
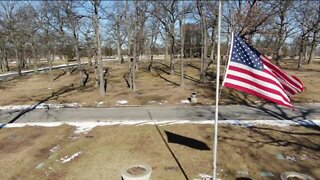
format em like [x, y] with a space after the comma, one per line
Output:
[193, 113]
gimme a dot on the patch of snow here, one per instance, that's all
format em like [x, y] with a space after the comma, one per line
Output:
[184, 101]
[100, 104]
[121, 102]
[85, 127]
[54, 149]
[291, 158]
[163, 102]
[206, 177]
[67, 158]
[74, 137]
[40, 106]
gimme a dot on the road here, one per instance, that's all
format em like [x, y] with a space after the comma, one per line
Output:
[193, 113]
[11, 75]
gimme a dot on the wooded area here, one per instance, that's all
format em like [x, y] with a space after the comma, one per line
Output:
[134, 32]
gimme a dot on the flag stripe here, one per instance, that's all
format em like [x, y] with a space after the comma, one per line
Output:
[290, 79]
[252, 91]
[259, 75]
[286, 83]
[259, 86]
[293, 81]
[288, 87]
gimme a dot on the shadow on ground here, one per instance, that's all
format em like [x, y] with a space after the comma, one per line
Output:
[186, 141]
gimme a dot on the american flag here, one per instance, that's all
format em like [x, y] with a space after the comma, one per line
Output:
[253, 73]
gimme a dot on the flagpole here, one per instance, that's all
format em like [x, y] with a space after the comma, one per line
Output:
[215, 148]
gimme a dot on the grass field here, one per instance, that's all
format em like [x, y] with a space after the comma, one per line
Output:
[60, 153]
[41, 153]
[153, 88]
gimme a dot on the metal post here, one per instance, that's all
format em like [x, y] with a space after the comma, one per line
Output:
[215, 148]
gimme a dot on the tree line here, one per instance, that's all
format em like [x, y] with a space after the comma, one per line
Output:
[35, 30]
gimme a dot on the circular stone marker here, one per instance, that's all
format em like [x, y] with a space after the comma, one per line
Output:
[136, 172]
[295, 176]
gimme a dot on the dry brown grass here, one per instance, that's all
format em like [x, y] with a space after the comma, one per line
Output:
[153, 88]
[106, 150]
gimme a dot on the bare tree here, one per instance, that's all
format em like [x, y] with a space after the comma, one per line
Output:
[19, 27]
[249, 17]
[283, 28]
[212, 12]
[96, 6]
[11, 29]
[181, 21]
[204, 42]
[74, 24]
[315, 34]
[154, 29]
[167, 14]
[60, 18]
[308, 19]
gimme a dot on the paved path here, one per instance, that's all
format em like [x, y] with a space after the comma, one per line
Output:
[10, 75]
[193, 113]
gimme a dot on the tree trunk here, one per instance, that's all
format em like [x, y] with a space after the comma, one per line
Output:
[5, 60]
[301, 53]
[130, 61]
[1, 65]
[133, 65]
[182, 46]
[89, 54]
[18, 61]
[50, 64]
[172, 56]
[76, 50]
[1, 62]
[128, 28]
[306, 47]
[281, 38]
[35, 61]
[204, 48]
[166, 48]
[213, 45]
[313, 47]
[102, 90]
[120, 59]
[23, 59]
[150, 68]
[172, 36]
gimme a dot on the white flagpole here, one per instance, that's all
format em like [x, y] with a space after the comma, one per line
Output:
[215, 148]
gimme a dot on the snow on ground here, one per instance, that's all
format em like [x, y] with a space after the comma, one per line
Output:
[54, 149]
[67, 158]
[184, 101]
[40, 106]
[121, 102]
[85, 127]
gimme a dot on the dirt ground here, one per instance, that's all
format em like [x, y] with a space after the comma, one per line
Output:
[39, 152]
[153, 88]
